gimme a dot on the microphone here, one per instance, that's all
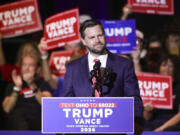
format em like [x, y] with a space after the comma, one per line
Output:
[93, 72]
[97, 65]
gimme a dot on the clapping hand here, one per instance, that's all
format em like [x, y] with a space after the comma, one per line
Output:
[17, 79]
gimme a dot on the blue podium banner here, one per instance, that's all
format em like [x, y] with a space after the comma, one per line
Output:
[120, 35]
[88, 115]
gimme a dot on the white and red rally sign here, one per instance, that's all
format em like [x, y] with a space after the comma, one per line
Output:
[163, 7]
[157, 89]
[19, 18]
[62, 28]
[58, 60]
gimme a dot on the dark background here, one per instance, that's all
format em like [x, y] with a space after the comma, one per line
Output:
[160, 25]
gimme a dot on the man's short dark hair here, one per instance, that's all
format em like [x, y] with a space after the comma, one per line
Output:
[89, 23]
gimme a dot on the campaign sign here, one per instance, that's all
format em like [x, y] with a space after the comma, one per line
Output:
[88, 115]
[162, 7]
[62, 28]
[157, 89]
[120, 36]
[19, 18]
[58, 60]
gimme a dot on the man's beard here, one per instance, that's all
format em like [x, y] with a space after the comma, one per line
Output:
[95, 51]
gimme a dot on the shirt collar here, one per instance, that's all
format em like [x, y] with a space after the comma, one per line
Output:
[102, 58]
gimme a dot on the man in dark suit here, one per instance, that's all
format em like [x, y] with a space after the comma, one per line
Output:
[123, 84]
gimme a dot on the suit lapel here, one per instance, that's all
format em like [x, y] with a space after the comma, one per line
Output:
[108, 64]
[110, 60]
[85, 74]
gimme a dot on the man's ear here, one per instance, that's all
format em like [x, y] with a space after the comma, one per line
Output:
[83, 41]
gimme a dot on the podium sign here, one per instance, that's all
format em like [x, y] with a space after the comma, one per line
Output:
[88, 115]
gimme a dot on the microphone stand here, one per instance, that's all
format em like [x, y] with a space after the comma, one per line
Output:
[95, 81]
[94, 78]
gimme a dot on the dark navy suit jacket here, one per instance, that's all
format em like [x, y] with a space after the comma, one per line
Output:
[77, 84]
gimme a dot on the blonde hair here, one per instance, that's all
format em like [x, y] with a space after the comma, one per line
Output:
[30, 49]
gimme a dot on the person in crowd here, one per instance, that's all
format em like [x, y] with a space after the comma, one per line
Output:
[139, 52]
[22, 100]
[6, 68]
[56, 82]
[155, 50]
[126, 10]
[161, 119]
[76, 81]
[173, 44]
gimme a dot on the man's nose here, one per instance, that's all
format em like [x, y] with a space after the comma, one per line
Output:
[97, 39]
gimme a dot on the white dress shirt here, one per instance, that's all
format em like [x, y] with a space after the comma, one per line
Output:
[102, 58]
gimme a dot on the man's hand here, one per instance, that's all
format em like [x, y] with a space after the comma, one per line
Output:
[148, 106]
[42, 46]
[127, 10]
